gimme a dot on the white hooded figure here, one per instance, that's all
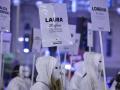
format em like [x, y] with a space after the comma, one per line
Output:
[48, 69]
[20, 82]
[89, 75]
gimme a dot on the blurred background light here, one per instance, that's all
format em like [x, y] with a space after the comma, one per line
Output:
[26, 39]
[74, 5]
[47, 53]
[20, 39]
[26, 50]
[16, 2]
[38, 3]
[7, 30]
[118, 10]
[68, 67]
[60, 1]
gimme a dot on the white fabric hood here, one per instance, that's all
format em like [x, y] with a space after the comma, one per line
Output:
[94, 67]
[45, 66]
[92, 59]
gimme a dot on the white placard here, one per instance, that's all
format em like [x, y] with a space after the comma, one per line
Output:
[70, 47]
[36, 40]
[99, 15]
[54, 25]
[4, 15]
[73, 49]
[90, 35]
[6, 42]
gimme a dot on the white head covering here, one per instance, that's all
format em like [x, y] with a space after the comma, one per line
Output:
[92, 62]
[45, 66]
[92, 59]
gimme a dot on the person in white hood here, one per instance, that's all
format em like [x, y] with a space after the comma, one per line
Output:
[21, 81]
[48, 70]
[89, 73]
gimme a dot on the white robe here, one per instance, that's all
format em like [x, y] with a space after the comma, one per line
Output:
[80, 80]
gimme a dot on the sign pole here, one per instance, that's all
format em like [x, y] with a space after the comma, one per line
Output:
[102, 52]
[65, 60]
[69, 73]
[65, 57]
[33, 69]
[90, 49]
[1, 60]
[1, 54]
[36, 48]
[90, 37]
[62, 69]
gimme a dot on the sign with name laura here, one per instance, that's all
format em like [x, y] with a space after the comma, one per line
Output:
[54, 25]
[4, 15]
[90, 35]
[99, 15]
[36, 47]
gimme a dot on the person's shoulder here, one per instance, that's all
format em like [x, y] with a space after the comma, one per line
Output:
[12, 83]
[14, 79]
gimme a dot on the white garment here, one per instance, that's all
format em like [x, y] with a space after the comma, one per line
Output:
[45, 66]
[19, 83]
[87, 76]
[80, 79]
[94, 67]
[67, 83]
[28, 82]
